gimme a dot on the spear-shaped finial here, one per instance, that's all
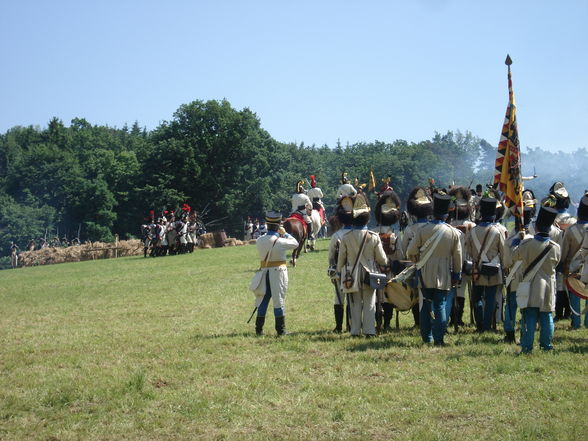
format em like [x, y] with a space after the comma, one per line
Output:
[508, 61]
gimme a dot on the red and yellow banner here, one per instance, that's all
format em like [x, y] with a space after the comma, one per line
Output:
[508, 174]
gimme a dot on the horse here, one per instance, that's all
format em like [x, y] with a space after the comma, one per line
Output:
[295, 227]
[316, 223]
[334, 224]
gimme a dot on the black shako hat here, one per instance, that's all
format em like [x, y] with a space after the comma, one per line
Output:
[545, 219]
[583, 208]
[441, 204]
[488, 208]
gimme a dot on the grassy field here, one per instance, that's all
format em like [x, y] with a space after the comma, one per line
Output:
[159, 349]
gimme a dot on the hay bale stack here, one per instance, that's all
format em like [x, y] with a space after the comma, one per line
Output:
[207, 240]
[78, 253]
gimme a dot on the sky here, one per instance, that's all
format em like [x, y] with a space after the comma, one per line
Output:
[316, 72]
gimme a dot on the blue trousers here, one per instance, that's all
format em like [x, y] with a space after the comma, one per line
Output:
[528, 325]
[484, 300]
[433, 328]
[576, 305]
[262, 309]
[510, 311]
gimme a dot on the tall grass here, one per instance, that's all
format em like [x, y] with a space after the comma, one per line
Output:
[158, 349]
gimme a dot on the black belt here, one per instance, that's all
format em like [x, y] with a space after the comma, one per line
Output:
[316, 199]
[301, 207]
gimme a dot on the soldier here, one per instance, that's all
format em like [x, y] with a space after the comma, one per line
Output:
[315, 194]
[387, 214]
[437, 250]
[272, 248]
[345, 189]
[302, 205]
[539, 255]
[484, 244]
[248, 228]
[460, 216]
[419, 206]
[359, 253]
[515, 276]
[13, 255]
[345, 217]
[572, 240]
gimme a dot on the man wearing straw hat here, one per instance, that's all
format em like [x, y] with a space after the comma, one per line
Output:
[272, 248]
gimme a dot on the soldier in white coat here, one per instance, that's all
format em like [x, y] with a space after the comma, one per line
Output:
[559, 199]
[345, 217]
[515, 275]
[345, 189]
[302, 205]
[387, 213]
[272, 248]
[484, 244]
[420, 207]
[571, 243]
[442, 269]
[362, 298]
[541, 300]
[460, 215]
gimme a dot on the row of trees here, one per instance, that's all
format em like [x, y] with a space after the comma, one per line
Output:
[103, 181]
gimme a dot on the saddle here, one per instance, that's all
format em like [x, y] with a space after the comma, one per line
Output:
[299, 218]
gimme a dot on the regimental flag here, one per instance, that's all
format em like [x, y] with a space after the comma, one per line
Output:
[372, 185]
[508, 157]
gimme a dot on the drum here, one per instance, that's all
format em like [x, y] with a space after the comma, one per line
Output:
[401, 295]
[577, 287]
[399, 290]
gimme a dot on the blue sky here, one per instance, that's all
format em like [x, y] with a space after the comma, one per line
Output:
[313, 71]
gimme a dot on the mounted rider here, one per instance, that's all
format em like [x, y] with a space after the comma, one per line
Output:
[345, 189]
[315, 194]
[302, 207]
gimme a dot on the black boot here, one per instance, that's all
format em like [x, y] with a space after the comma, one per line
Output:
[379, 314]
[309, 229]
[460, 304]
[509, 337]
[388, 313]
[259, 322]
[338, 318]
[559, 305]
[281, 325]
[416, 315]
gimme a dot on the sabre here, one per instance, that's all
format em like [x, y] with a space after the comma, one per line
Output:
[254, 309]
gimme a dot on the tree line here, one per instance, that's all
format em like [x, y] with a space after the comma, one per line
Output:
[100, 181]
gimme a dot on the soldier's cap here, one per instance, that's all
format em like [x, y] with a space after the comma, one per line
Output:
[545, 218]
[273, 217]
[558, 190]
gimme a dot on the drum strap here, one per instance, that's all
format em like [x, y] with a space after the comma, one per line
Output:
[430, 246]
[534, 266]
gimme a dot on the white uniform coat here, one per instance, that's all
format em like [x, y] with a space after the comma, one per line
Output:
[300, 199]
[543, 283]
[445, 259]
[495, 251]
[314, 193]
[278, 276]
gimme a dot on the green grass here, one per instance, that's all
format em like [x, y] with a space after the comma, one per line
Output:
[158, 349]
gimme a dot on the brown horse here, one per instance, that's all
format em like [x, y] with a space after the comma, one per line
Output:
[296, 228]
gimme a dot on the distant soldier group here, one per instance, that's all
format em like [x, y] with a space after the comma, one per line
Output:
[452, 242]
[172, 233]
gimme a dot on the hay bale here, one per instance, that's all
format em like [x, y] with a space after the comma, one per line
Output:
[207, 239]
[252, 242]
[205, 247]
[230, 242]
